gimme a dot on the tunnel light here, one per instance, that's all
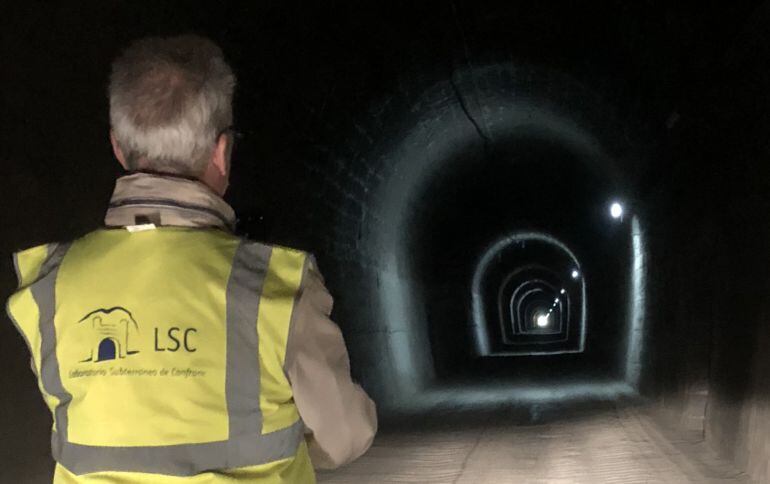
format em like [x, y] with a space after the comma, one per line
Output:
[575, 274]
[616, 210]
[556, 301]
[563, 291]
[542, 320]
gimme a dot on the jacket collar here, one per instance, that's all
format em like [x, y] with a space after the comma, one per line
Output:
[142, 198]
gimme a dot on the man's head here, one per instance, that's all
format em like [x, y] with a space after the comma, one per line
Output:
[171, 107]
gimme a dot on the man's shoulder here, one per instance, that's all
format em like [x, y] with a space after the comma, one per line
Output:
[290, 263]
[277, 252]
[28, 262]
[250, 252]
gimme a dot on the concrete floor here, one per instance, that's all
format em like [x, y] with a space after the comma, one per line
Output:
[596, 443]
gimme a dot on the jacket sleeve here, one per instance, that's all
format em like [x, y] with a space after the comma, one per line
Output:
[340, 418]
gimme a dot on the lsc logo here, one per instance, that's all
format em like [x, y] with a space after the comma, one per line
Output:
[113, 333]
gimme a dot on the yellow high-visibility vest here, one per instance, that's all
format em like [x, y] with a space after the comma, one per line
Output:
[160, 354]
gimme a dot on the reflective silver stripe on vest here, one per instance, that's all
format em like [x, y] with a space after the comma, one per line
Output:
[44, 294]
[246, 445]
[242, 384]
[182, 460]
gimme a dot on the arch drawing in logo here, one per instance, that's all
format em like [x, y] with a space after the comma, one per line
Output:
[109, 333]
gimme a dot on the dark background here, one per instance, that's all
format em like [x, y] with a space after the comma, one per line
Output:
[676, 92]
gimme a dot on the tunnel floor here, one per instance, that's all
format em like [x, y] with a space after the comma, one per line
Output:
[606, 442]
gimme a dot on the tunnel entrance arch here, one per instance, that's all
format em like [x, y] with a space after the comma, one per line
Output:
[460, 130]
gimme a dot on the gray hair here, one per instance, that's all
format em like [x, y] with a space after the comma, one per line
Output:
[170, 98]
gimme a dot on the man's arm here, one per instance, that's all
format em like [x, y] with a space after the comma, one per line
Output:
[340, 417]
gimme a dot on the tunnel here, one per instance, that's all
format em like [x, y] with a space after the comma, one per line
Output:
[544, 224]
[467, 214]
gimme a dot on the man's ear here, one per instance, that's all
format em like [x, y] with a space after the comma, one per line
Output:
[217, 173]
[221, 158]
[118, 152]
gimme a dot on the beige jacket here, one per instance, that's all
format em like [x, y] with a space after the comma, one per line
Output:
[340, 418]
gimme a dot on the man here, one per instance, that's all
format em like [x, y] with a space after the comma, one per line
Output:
[168, 349]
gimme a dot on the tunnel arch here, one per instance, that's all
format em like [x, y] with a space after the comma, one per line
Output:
[457, 122]
[479, 319]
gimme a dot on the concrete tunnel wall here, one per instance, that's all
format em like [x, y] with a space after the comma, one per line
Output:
[709, 310]
[333, 133]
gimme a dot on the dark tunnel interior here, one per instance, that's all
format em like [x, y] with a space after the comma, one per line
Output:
[541, 222]
[447, 246]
